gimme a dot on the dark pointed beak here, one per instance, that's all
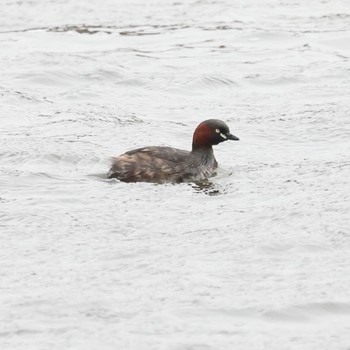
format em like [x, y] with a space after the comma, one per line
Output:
[232, 137]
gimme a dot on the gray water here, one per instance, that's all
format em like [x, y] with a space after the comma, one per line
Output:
[258, 258]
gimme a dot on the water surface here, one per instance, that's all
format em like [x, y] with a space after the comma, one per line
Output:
[258, 258]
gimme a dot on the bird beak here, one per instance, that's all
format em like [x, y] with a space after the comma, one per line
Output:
[232, 137]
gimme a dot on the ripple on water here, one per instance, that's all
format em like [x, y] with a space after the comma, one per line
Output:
[212, 82]
[318, 312]
[302, 313]
[289, 249]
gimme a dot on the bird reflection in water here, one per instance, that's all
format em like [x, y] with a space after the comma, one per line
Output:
[207, 187]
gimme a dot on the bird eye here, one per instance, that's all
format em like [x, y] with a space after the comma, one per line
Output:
[217, 130]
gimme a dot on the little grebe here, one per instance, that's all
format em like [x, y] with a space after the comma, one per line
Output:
[166, 164]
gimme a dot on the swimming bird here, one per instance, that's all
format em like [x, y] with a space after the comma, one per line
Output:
[165, 164]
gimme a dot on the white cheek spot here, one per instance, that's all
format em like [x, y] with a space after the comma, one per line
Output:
[223, 136]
